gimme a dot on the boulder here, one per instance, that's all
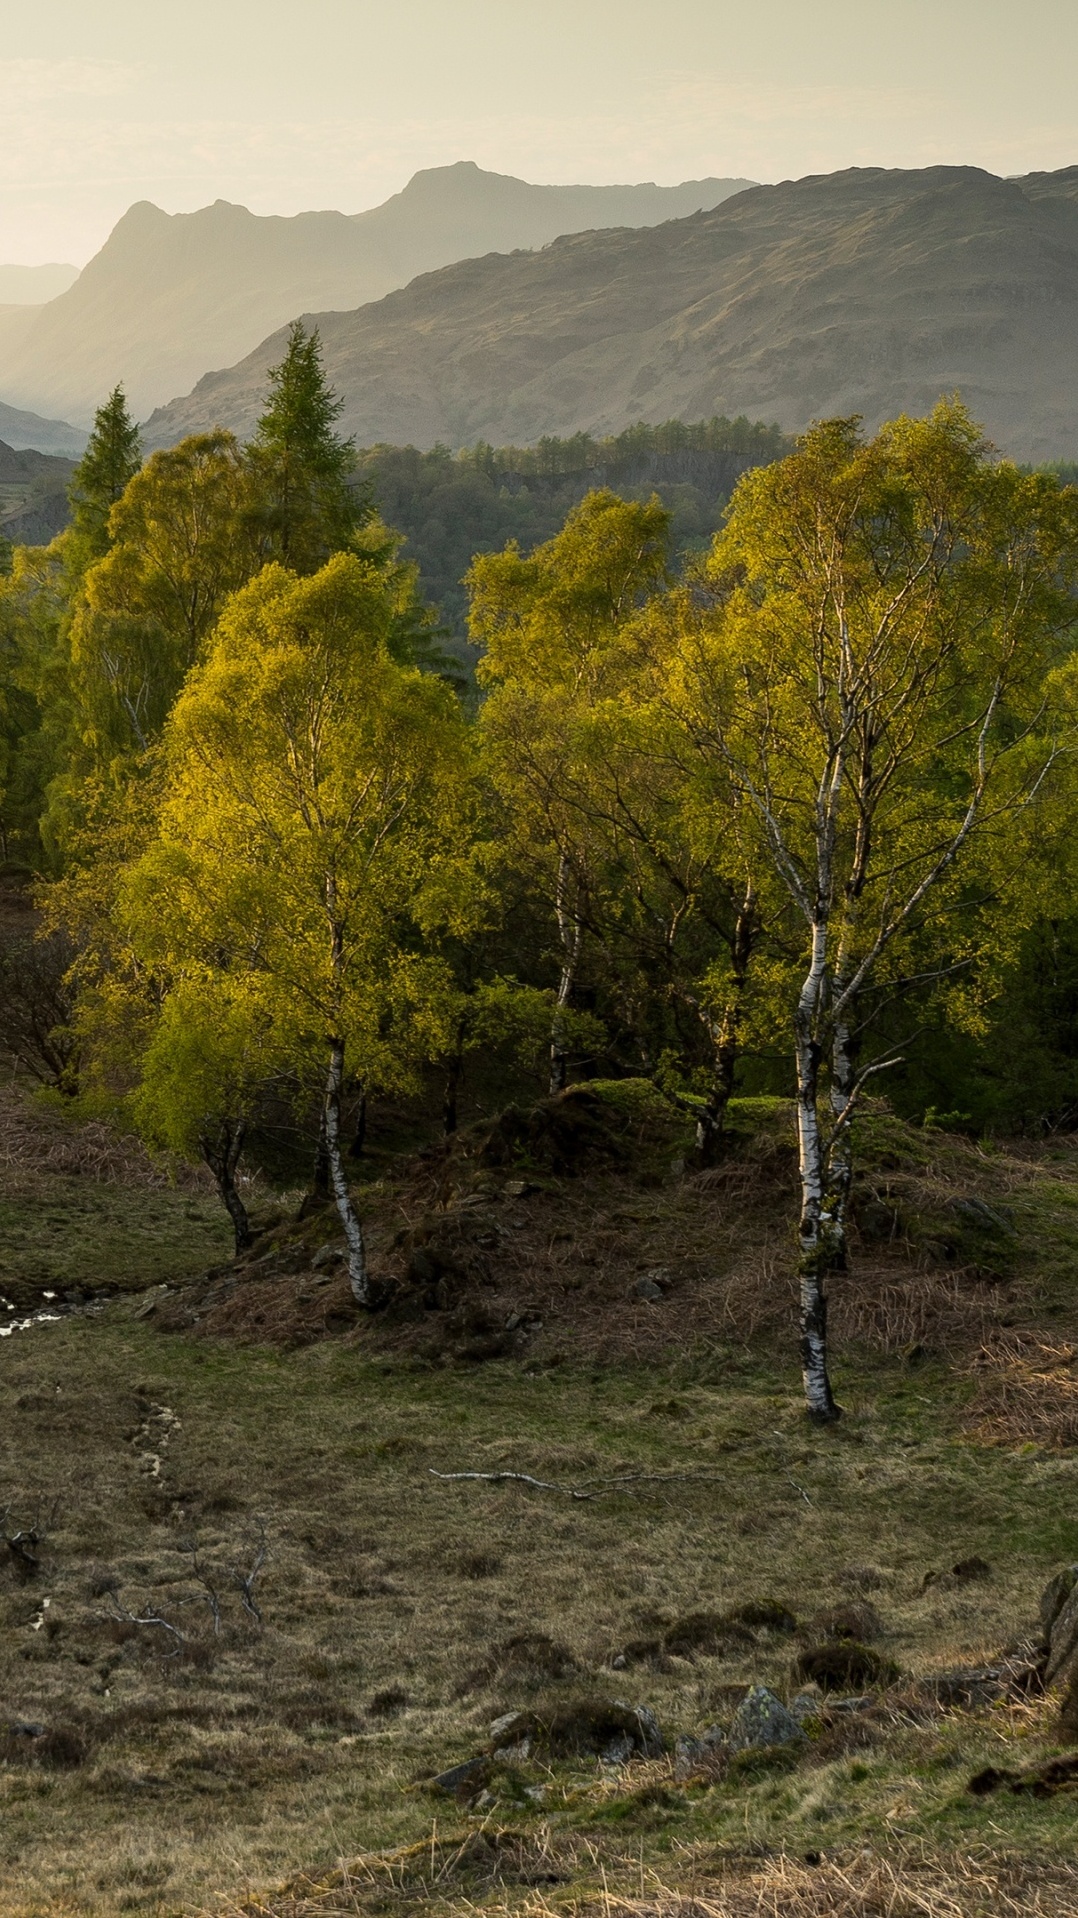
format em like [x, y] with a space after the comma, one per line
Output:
[694, 1755]
[762, 1722]
[1054, 1597]
[1063, 1643]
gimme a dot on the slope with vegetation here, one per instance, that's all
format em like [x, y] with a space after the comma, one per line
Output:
[868, 292]
[550, 1059]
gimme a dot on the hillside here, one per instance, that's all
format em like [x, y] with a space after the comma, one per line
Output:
[28, 431]
[169, 295]
[276, 1622]
[867, 291]
[33, 495]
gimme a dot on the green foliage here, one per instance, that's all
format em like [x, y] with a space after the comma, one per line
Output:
[113, 456]
[452, 506]
[313, 838]
[304, 506]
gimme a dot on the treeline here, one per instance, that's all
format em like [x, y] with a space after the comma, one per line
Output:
[451, 506]
[794, 815]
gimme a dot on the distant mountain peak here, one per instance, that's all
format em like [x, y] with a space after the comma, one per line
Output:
[169, 295]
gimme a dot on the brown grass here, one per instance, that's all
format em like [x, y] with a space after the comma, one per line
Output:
[503, 1872]
[1027, 1391]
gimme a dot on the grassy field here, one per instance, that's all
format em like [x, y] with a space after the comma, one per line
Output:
[258, 1623]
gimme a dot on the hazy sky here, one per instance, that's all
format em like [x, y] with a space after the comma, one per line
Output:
[288, 104]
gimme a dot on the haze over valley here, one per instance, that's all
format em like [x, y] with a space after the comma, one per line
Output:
[171, 295]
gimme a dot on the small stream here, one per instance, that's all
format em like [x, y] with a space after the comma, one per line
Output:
[9, 1325]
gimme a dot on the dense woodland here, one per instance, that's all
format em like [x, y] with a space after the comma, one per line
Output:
[779, 800]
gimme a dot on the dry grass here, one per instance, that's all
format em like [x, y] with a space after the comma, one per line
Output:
[172, 1773]
[1027, 1392]
[502, 1872]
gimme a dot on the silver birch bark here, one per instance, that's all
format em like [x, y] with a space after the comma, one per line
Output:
[570, 932]
[358, 1275]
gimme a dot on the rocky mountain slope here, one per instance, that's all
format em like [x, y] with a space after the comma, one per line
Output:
[169, 295]
[868, 291]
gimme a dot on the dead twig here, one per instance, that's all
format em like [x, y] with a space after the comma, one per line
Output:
[514, 1478]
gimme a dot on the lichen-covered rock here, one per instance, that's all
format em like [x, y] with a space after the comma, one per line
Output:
[761, 1721]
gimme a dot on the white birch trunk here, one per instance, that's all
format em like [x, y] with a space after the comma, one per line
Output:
[814, 1230]
[569, 931]
[358, 1275]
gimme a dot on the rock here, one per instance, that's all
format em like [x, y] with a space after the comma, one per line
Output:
[618, 1750]
[1054, 1597]
[519, 1188]
[699, 1754]
[512, 1735]
[648, 1290]
[1063, 1644]
[464, 1782]
[327, 1255]
[806, 1704]
[648, 1735]
[762, 1721]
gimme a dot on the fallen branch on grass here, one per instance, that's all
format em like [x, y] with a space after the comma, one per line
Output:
[516, 1478]
[592, 1487]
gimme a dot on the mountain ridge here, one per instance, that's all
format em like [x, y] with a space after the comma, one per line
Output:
[170, 294]
[869, 291]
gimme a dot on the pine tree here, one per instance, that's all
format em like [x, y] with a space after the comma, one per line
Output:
[112, 457]
[305, 507]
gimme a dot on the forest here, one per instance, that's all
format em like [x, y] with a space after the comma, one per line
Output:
[777, 799]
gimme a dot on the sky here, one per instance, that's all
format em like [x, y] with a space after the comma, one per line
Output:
[336, 103]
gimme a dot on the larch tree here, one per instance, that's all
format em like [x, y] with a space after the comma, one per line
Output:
[304, 506]
[112, 458]
[315, 830]
[870, 691]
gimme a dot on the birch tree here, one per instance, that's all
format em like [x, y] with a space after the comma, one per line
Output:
[315, 829]
[871, 686]
[551, 626]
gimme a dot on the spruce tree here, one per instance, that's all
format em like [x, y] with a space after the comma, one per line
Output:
[112, 457]
[305, 507]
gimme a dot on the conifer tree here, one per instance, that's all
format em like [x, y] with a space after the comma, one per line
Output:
[113, 456]
[305, 508]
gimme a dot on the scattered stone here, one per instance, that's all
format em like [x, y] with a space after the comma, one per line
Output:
[694, 1755]
[464, 1782]
[761, 1722]
[648, 1290]
[513, 1735]
[807, 1703]
[327, 1255]
[519, 1188]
